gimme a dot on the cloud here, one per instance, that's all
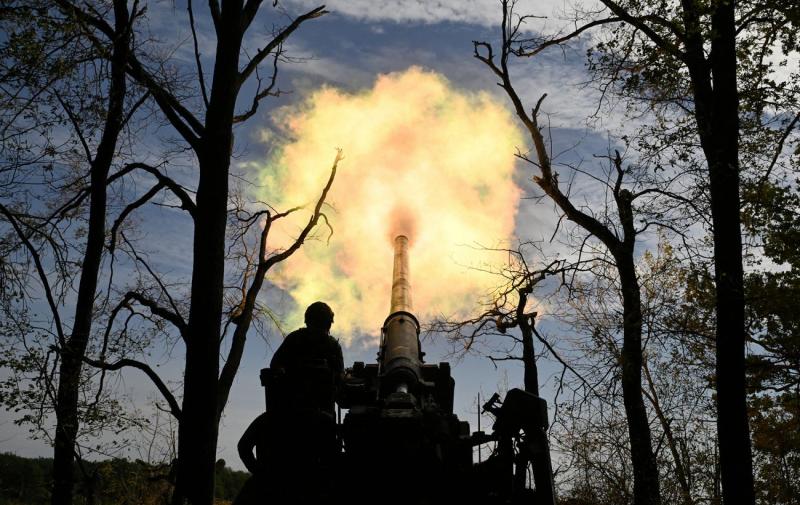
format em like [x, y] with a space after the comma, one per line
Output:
[439, 159]
[478, 12]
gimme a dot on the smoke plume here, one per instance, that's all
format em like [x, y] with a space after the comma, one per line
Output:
[420, 159]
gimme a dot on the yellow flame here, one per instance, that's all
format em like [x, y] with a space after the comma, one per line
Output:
[420, 158]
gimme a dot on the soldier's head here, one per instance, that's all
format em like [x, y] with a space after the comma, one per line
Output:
[319, 316]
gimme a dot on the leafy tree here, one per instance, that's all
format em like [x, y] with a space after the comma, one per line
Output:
[46, 40]
[701, 72]
[772, 213]
[24, 480]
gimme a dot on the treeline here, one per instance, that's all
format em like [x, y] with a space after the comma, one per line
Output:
[28, 481]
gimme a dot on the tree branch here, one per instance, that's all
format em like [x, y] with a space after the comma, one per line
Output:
[162, 312]
[132, 363]
[127, 211]
[539, 46]
[312, 222]
[189, 127]
[646, 29]
[48, 292]
[779, 149]
[76, 126]
[278, 40]
[244, 315]
[179, 191]
[216, 14]
[180, 117]
[261, 94]
[200, 76]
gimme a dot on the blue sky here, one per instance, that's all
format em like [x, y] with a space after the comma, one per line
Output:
[348, 48]
[359, 40]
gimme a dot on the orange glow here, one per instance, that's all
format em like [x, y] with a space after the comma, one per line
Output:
[420, 158]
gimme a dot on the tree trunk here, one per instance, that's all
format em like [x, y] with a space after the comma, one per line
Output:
[530, 370]
[198, 428]
[732, 422]
[73, 350]
[646, 487]
[197, 431]
[717, 114]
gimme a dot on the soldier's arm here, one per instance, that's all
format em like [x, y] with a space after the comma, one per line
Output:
[246, 445]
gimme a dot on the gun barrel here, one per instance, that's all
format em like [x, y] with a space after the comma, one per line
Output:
[401, 287]
[401, 357]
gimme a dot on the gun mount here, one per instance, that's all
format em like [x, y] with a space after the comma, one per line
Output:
[401, 441]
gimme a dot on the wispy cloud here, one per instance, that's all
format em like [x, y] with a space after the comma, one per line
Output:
[478, 12]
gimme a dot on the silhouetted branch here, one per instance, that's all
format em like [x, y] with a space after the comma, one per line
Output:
[48, 292]
[278, 40]
[179, 191]
[132, 363]
[162, 312]
[312, 222]
[779, 149]
[261, 94]
[200, 77]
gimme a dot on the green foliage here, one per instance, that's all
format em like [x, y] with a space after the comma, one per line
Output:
[228, 481]
[775, 425]
[772, 214]
[26, 481]
[772, 211]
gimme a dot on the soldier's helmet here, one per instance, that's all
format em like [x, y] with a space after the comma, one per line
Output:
[319, 315]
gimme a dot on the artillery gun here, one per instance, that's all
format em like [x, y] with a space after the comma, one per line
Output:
[401, 443]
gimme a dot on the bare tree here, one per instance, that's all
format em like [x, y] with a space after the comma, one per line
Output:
[705, 72]
[206, 388]
[210, 140]
[618, 242]
[507, 307]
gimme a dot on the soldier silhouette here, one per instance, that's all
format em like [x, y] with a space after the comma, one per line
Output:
[312, 347]
[295, 440]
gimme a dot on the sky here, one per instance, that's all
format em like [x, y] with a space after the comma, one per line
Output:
[335, 60]
[349, 50]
